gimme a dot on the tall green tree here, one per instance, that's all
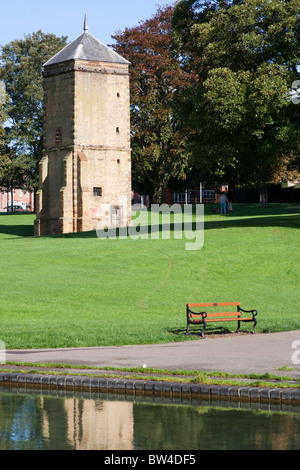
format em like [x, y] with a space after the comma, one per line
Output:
[243, 126]
[21, 66]
[11, 166]
[158, 147]
[3, 119]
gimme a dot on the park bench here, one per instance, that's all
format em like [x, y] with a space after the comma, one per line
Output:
[204, 317]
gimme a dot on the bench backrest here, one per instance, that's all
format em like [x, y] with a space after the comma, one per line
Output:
[215, 304]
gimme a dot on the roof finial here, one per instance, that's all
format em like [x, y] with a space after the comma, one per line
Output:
[85, 26]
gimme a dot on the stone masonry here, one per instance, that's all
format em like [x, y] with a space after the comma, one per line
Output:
[85, 173]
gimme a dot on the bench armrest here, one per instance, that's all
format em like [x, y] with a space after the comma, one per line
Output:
[254, 312]
[203, 314]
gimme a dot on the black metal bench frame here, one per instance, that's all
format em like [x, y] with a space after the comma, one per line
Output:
[205, 317]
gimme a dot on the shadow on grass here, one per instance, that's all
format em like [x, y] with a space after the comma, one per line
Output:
[277, 215]
[21, 229]
[17, 230]
[291, 221]
[264, 217]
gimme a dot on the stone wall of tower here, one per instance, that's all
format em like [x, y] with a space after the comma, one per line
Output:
[102, 141]
[58, 137]
[86, 169]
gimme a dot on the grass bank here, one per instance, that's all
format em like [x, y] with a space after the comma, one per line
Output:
[79, 291]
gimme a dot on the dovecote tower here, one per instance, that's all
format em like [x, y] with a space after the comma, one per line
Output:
[85, 172]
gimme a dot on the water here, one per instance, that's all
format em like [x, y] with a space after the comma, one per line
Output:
[52, 420]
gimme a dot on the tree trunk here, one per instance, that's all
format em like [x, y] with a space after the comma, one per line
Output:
[159, 192]
[12, 198]
[231, 190]
[263, 197]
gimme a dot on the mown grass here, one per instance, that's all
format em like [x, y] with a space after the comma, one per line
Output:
[79, 291]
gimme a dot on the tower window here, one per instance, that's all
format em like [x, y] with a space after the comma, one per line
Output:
[118, 130]
[58, 135]
[118, 95]
[98, 192]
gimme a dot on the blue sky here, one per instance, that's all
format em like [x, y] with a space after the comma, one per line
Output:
[65, 17]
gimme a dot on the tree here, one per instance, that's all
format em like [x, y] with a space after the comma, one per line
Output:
[21, 68]
[13, 168]
[245, 53]
[2, 137]
[158, 146]
[4, 160]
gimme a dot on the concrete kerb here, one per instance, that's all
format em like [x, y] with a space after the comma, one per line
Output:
[279, 396]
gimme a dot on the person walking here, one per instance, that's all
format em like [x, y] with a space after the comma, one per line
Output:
[223, 201]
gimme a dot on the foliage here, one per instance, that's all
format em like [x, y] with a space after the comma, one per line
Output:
[243, 127]
[2, 139]
[210, 83]
[158, 146]
[2, 120]
[21, 70]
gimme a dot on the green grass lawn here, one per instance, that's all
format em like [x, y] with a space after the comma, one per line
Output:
[79, 291]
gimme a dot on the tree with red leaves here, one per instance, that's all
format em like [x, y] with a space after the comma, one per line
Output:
[158, 145]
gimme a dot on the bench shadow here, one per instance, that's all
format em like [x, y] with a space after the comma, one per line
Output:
[212, 332]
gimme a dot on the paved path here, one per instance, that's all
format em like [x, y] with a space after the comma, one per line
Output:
[258, 353]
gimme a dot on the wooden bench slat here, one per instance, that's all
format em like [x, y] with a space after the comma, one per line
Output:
[227, 319]
[215, 304]
[219, 319]
[220, 314]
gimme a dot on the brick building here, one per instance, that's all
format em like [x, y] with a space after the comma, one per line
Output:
[23, 199]
[85, 172]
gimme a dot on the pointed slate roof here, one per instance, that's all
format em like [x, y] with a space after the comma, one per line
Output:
[87, 47]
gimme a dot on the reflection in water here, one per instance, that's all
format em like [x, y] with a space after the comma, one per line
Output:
[94, 424]
[213, 428]
[41, 421]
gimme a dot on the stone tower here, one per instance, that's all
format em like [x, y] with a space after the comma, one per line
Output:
[85, 172]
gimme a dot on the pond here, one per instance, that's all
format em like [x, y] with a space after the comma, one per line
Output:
[53, 420]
